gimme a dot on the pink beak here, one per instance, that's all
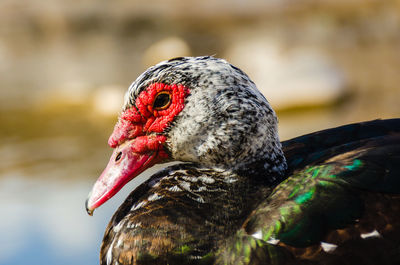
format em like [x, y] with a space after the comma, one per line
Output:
[124, 165]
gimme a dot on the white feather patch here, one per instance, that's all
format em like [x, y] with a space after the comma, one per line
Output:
[137, 206]
[174, 188]
[206, 179]
[119, 242]
[371, 234]
[191, 179]
[230, 180]
[273, 241]
[200, 189]
[118, 227]
[154, 197]
[257, 234]
[185, 185]
[109, 253]
[200, 199]
[133, 225]
[328, 247]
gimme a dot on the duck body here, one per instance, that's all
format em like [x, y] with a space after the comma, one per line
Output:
[241, 196]
[186, 213]
[180, 214]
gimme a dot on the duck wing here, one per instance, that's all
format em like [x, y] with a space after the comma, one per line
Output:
[339, 205]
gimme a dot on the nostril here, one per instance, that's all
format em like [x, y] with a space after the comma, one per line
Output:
[118, 157]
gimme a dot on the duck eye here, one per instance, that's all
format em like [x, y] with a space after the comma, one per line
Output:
[118, 157]
[162, 101]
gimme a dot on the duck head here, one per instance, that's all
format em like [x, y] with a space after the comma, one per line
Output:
[192, 109]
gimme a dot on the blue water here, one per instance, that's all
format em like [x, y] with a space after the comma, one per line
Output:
[49, 162]
[44, 220]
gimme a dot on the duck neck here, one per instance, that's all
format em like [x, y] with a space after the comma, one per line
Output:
[267, 166]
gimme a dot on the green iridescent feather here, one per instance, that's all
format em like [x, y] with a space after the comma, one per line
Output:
[327, 195]
[325, 190]
[244, 249]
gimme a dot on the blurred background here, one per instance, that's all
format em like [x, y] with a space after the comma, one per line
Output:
[65, 65]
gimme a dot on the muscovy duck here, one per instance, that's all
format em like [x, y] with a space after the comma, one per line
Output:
[241, 196]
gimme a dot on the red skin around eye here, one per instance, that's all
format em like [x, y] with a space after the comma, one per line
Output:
[143, 120]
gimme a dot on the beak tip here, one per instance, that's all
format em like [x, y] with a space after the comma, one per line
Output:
[88, 210]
